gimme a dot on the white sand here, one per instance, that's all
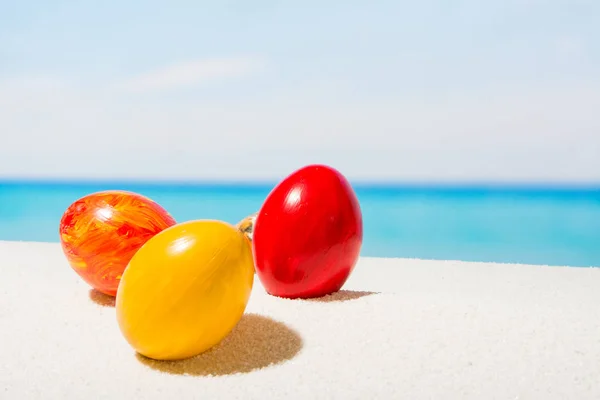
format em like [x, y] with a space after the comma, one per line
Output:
[434, 330]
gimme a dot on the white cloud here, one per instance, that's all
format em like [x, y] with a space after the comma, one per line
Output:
[54, 130]
[189, 73]
[568, 47]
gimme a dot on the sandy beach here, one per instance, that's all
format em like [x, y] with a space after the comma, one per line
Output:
[401, 328]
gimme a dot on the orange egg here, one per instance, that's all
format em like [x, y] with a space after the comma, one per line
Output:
[100, 232]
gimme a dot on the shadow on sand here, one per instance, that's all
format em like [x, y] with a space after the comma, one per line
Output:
[256, 342]
[101, 299]
[340, 296]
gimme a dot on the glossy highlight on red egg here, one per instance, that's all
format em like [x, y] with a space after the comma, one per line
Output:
[308, 234]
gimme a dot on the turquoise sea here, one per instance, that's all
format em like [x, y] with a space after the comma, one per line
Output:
[555, 226]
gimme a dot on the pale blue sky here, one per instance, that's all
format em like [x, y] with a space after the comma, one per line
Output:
[430, 90]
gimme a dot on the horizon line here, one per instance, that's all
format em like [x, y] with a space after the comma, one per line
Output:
[264, 183]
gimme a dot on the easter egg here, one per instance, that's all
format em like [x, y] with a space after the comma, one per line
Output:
[185, 289]
[308, 234]
[100, 232]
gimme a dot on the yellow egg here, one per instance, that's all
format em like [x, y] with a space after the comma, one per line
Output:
[185, 289]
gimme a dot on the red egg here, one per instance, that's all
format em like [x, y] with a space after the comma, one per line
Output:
[308, 234]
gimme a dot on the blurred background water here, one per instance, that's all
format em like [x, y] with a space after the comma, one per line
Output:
[559, 226]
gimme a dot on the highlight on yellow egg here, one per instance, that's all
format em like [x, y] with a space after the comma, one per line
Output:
[185, 289]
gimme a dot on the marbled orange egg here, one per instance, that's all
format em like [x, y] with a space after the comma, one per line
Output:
[101, 232]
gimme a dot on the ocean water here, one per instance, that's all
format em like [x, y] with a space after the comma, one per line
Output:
[524, 225]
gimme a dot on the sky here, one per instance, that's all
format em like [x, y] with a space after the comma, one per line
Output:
[429, 91]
